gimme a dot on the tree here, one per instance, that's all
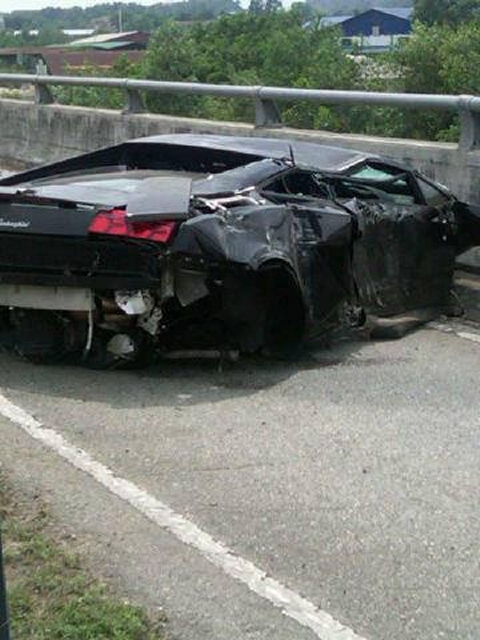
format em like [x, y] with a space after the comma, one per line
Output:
[439, 59]
[172, 55]
[273, 5]
[452, 12]
[50, 35]
[305, 10]
[105, 16]
[265, 6]
[256, 6]
[271, 48]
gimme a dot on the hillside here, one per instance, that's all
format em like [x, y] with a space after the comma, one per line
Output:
[104, 17]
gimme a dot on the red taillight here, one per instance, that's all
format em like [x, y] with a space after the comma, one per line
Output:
[114, 222]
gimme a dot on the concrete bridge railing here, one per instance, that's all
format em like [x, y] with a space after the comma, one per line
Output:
[265, 99]
[33, 132]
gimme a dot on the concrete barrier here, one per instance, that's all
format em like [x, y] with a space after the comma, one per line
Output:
[33, 134]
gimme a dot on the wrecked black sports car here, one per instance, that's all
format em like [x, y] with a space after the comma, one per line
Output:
[197, 242]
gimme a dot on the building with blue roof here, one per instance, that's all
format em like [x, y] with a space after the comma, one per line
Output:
[374, 30]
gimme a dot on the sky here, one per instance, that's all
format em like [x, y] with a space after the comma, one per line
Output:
[13, 5]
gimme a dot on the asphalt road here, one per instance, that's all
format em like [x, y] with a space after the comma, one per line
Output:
[352, 477]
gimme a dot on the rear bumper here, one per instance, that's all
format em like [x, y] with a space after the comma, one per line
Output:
[79, 262]
[46, 298]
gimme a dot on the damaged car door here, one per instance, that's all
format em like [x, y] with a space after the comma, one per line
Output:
[404, 258]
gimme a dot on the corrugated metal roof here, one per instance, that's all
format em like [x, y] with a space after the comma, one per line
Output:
[78, 32]
[110, 46]
[331, 21]
[6, 51]
[401, 12]
[103, 37]
[405, 13]
[70, 62]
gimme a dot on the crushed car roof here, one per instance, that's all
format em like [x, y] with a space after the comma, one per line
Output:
[197, 150]
[312, 154]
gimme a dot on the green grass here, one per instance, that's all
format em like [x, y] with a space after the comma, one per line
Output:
[51, 595]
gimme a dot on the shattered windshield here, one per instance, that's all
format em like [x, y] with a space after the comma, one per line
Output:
[240, 178]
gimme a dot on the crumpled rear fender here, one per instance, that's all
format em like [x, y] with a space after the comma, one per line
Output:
[296, 262]
[245, 236]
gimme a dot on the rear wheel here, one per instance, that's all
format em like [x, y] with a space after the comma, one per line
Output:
[284, 312]
[42, 337]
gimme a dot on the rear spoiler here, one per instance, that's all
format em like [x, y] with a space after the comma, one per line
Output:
[158, 198]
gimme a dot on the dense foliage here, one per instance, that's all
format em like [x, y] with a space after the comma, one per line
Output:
[448, 12]
[46, 36]
[249, 48]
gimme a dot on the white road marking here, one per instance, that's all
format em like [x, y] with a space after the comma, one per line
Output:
[446, 328]
[466, 335]
[292, 605]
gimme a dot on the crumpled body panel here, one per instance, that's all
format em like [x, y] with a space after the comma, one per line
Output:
[313, 245]
[403, 261]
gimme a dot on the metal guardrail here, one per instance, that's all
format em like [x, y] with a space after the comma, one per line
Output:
[267, 113]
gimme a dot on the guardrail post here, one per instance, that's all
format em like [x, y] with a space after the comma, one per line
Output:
[469, 125]
[135, 102]
[267, 113]
[4, 623]
[43, 95]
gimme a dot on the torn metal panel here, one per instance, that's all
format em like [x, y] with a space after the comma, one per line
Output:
[190, 286]
[402, 260]
[247, 236]
[134, 303]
